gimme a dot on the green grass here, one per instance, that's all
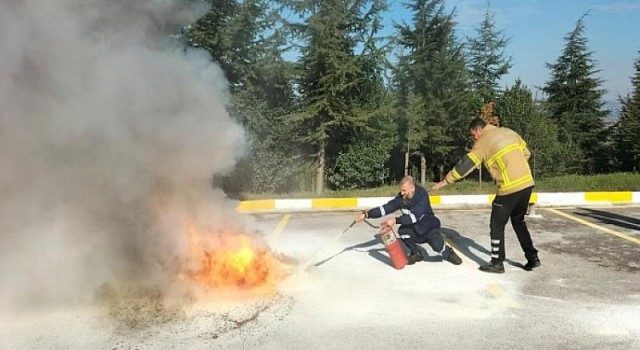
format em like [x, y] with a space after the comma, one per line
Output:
[567, 183]
[586, 183]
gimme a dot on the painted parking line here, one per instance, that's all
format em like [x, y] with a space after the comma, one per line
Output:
[277, 232]
[497, 292]
[590, 224]
[282, 224]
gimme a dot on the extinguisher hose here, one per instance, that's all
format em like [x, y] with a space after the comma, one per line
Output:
[370, 224]
[312, 259]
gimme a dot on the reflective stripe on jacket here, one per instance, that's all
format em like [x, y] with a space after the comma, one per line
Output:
[504, 154]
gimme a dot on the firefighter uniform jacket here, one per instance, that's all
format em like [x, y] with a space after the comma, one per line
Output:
[504, 154]
[416, 211]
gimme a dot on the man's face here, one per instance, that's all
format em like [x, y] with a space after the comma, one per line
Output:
[475, 133]
[407, 190]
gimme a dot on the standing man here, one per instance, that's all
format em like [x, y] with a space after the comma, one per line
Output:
[418, 224]
[506, 156]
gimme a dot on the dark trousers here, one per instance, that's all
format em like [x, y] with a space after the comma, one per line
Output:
[512, 206]
[412, 238]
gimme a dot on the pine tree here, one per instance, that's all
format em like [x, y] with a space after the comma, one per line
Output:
[487, 61]
[519, 112]
[627, 130]
[575, 99]
[334, 79]
[410, 110]
[228, 32]
[243, 39]
[435, 68]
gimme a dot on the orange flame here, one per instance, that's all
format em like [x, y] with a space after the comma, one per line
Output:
[220, 260]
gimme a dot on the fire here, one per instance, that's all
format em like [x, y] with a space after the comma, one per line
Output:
[231, 259]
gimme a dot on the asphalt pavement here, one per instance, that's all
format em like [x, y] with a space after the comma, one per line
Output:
[344, 293]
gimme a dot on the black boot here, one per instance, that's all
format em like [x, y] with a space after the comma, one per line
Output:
[413, 258]
[493, 267]
[532, 263]
[450, 255]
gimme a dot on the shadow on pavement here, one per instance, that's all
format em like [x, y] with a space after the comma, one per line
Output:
[379, 254]
[463, 244]
[353, 247]
[606, 217]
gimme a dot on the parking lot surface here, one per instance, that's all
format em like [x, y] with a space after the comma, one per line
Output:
[344, 293]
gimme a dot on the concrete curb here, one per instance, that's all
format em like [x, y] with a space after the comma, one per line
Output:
[551, 199]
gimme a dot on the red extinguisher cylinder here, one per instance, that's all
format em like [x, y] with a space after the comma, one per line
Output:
[393, 247]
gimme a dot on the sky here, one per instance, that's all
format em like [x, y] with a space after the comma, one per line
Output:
[536, 31]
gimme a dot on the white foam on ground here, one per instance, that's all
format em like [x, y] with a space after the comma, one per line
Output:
[54, 329]
[611, 320]
[369, 291]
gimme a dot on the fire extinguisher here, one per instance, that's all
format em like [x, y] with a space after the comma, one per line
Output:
[393, 247]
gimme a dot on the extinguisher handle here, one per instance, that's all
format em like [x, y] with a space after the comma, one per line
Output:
[384, 229]
[394, 233]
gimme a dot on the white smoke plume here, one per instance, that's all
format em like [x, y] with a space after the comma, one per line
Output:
[110, 131]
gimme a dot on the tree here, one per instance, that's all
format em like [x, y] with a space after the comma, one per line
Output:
[333, 78]
[410, 110]
[627, 130]
[243, 38]
[435, 68]
[487, 62]
[574, 99]
[519, 112]
[229, 32]
[365, 161]
[364, 155]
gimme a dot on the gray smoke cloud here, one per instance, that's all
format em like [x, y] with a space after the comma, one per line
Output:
[110, 131]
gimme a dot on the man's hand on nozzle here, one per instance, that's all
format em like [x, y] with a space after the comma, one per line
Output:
[439, 185]
[361, 217]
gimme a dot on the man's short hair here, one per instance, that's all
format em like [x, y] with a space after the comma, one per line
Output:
[477, 123]
[408, 180]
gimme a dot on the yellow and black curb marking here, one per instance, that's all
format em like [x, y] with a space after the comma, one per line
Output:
[555, 199]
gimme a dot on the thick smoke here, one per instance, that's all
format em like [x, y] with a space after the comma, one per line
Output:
[110, 131]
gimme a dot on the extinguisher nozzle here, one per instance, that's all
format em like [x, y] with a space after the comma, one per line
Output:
[350, 226]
